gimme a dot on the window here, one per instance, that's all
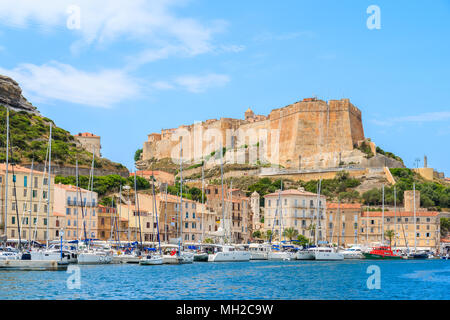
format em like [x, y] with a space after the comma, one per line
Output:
[187, 215]
[68, 222]
[187, 205]
[13, 220]
[148, 225]
[44, 194]
[25, 181]
[428, 234]
[193, 215]
[93, 213]
[45, 208]
[34, 221]
[34, 193]
[36, 182]
[193, 237]
[45, 181]
[68, 211]
[13, 206]
[25, 192]
[193, 225]
[428, 219]
[186, 225]
[57, 223]
[45, 221]
[57, 233]
[268, 203]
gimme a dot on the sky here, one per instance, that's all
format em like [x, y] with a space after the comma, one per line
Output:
[125, 69]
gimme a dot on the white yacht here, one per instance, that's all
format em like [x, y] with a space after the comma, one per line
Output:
[259, 251]
[327, 253]
[353, 252]
[280, 256]
[170, 254]
[228, 253]
[54, 252]
[305, 254]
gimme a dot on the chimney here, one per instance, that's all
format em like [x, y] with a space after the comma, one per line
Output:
[425, 162]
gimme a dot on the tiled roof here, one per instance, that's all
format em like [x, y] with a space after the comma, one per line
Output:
[69, 187]
[18, 168]
[87, 134]
[334, 205]
[400, 214]
[291, 192]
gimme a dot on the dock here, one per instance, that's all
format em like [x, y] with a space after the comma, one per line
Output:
[33, 265]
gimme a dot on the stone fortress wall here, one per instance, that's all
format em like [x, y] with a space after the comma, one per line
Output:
[309, 134]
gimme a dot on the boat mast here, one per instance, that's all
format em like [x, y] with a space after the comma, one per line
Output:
[395, 217]
[382, 217]
[165, 215]
[31, 203]
[91, 183]
[49, 181]
[223, 205]
[155, 210]
[231, 213]
[415, 220]
[119, 208]
[6, 175]
[275, 216]
[281, 211]
[76, 198]
[181, 194]
[339, 221]
[316, 232]
[203, 201]
[137, 206]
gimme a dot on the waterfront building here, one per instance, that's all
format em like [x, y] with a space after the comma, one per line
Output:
[161, 177]
[237, 211]
[27, 195]
[110, 224]
[342, 223]
[76, 211]
[297, 210]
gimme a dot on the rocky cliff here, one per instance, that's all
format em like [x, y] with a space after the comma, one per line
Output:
[11, 96]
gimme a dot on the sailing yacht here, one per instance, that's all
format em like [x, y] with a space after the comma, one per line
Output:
[171, 254]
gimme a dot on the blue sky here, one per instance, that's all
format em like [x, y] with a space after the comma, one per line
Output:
[135, 67]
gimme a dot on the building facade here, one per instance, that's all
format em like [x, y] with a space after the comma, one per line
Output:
[343, 221]
[298, 209]
[89, 142]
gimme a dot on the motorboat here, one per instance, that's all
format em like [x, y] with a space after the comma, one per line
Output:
[418, 255]
[353, 252]
[171, 254]
[283, 253]
[327, 253]
[54, 252]
[259, 251]
[228, 253]
[381, 252]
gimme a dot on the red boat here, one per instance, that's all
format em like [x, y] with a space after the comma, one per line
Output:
[382, 252]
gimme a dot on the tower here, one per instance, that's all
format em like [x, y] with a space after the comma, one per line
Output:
[254, 204]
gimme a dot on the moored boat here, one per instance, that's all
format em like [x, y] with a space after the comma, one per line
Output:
[382, 252]
[327, 253]
[227, 253]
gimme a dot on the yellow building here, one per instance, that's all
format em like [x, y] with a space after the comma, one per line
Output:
[343, 222]
[426, 236]
[27, 204]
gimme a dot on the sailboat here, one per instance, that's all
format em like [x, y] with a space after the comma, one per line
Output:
[277, 253]
[226, 252]
[89, 254]
[325, 252]
[153, 258]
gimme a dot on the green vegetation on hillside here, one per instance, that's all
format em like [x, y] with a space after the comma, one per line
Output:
[105, 184]
[445, 226]
[365, 148]
[137, 154]
[389, 154]
[191, 193]
[29, 139]
[433, 195]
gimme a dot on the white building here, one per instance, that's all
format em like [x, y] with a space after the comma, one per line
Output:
[297, 210]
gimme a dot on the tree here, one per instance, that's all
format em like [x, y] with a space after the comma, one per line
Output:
[303, 241]
[256, 234]
[290, 233]
[389, 234]
[312, 228]
[208, 240]
[445, 226]
[137, 154]
[268, 235]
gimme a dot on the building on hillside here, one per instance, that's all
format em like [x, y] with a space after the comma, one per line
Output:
[297, 210]
[343, 222]
[77, 210]
[140, 222]
[89, 142]
[256, 211]
[27, 198]
[161, 177]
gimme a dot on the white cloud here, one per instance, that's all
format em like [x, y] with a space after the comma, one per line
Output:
[424, 117]
[199, 84]
[270, 36]
[153, 23]
[57, 81]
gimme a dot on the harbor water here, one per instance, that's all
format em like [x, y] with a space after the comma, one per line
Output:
[291, 280]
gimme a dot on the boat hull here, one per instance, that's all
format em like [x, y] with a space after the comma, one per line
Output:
[280, 256]
[175, 259]
[151, 262]
[91, 258]
[232, 256]
[373, 256]
[201, 257]
[304, 255]
[258, 255]
[328, 256]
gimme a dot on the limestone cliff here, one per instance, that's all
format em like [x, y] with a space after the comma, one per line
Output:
[11, 96]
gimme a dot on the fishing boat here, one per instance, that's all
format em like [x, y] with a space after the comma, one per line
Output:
[353, 252]
[381, 252]
[228, 253]
[259, 251]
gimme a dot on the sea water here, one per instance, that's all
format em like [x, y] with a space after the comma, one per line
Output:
[404, 279]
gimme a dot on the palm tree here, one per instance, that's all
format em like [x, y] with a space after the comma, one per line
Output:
[290, 233]
[268, 234]
[389, 234]
[312, 228]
